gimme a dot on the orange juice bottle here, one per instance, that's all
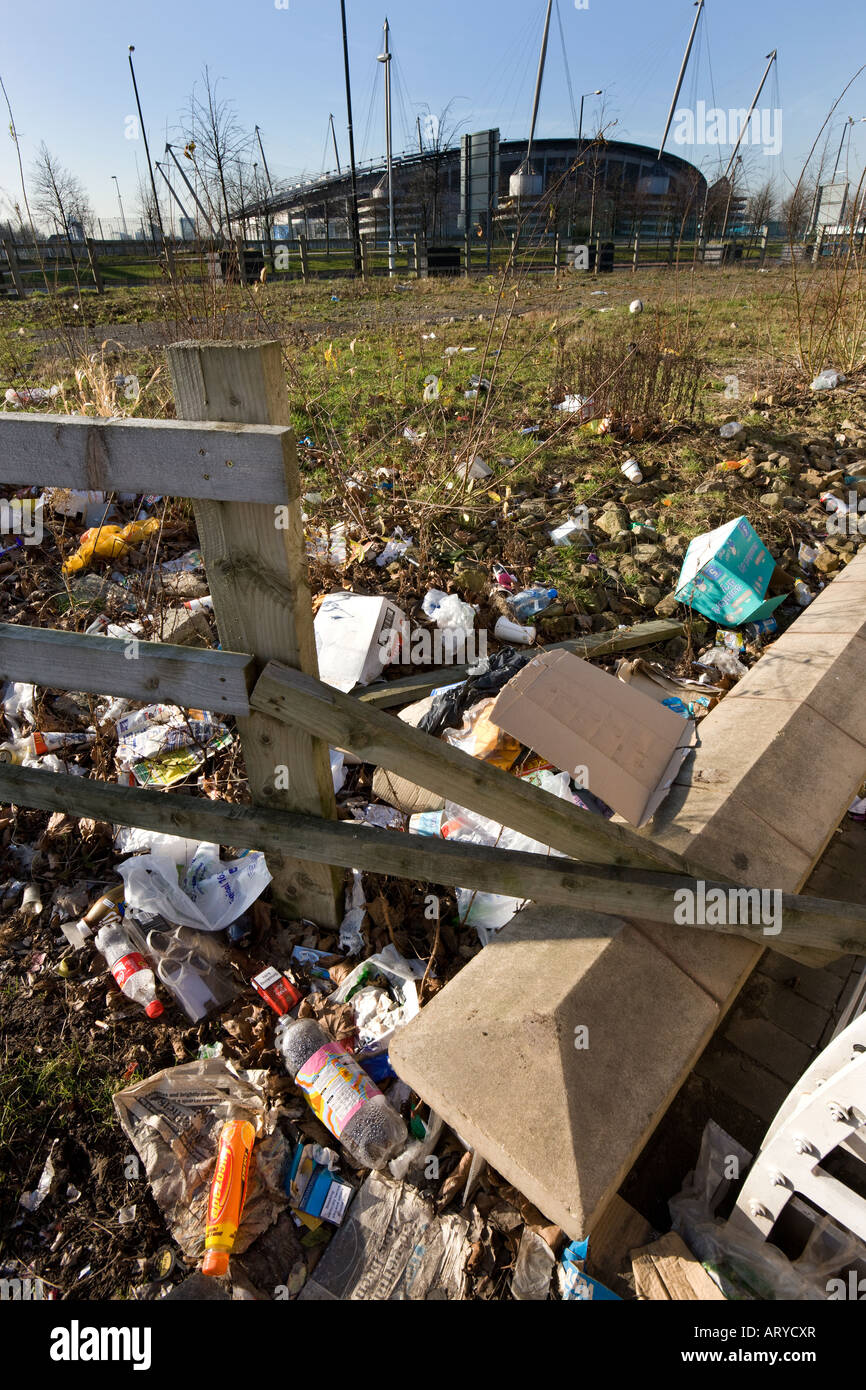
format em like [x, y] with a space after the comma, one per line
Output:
[228, 1191]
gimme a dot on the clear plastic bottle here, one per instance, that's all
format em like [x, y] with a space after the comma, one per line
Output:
[126, 963]
[533, 600]
[340, 1092]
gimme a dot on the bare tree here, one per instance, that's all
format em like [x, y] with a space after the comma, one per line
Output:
[438, 135]
[796, 209]
[215, 143]
[58, 195]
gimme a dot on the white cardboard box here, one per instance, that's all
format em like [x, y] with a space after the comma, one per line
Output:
[357, 637]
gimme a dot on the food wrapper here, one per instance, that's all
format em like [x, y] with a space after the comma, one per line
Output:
[479, 737]
[173, 1120]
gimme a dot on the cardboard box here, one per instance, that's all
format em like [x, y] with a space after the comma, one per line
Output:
[725, 575]
[315, 1192]
[579, 717]
[357, 637]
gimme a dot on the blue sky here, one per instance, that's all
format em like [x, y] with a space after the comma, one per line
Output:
[67, 76]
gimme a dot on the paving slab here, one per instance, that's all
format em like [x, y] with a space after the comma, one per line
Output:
[493, 1052]
[774, 1048]
[755, 1088]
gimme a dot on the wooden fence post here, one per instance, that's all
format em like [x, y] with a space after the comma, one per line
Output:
[365, 256]
[240, 248]
[257, 571]
[94, 266]
[819, 246]
[14, 271]
[765, 237]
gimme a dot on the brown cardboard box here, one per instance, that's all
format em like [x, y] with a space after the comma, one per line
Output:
[578, 716]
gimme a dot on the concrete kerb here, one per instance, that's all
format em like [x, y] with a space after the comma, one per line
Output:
[563, 1114]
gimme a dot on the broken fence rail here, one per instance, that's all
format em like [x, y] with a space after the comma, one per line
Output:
[615, 891]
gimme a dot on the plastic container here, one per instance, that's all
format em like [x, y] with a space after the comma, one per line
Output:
[31, 902]
[631, 471]
[507, 631]
[802, 594]
[227, 1195]
[36, 745]
[533, 600]
[128, 966]
[426, 823]
[77, 933]
[340, 1092]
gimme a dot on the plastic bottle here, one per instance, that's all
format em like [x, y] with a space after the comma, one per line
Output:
[532, 600]
[128, 966]
[37, 744]
[340, 1092]
[227, 1195]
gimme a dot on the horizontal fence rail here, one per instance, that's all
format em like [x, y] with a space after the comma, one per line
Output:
[192, 677]
[213, 462]
[616, 891]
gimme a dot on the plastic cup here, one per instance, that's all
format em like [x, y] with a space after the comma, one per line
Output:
[507, 631]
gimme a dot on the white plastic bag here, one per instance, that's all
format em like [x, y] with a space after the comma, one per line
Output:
[205, 893]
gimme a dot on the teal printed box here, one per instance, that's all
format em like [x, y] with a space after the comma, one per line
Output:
[725, 575]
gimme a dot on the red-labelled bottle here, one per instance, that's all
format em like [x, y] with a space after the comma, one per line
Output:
[126, 963]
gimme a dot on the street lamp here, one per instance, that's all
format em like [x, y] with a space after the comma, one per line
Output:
[596, 93]
[120, 201]
[846, 130]
[385, 58]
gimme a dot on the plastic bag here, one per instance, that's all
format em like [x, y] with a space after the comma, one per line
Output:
[744, 1265]
[351, 940]
[827, 380]
[378, 1012]
[480, 738]
[448, 610]
[208, 895]
[450, 704]
[109, 543]
[534, 1267]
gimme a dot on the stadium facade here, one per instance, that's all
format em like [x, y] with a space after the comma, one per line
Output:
[604, 187]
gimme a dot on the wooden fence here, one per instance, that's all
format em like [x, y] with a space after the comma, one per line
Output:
[232, 454]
